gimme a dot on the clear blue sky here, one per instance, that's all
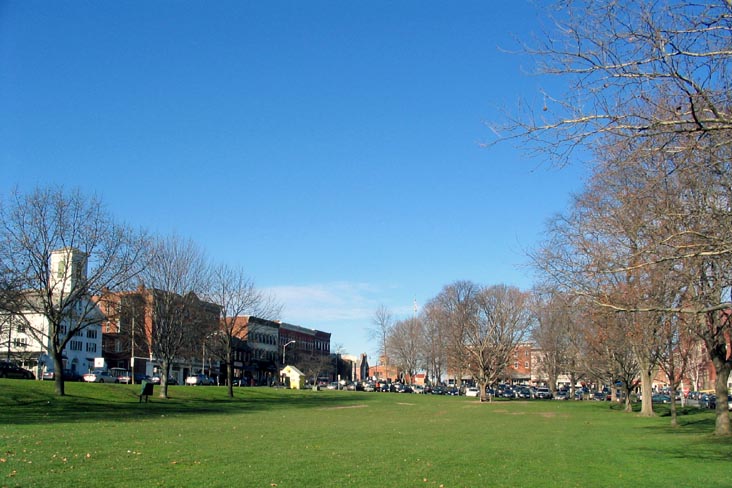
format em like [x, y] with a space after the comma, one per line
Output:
[332, 148]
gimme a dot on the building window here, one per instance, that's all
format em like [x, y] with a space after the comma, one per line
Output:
[20, 342]
[526, 364]
[91, 334]
[515, 365]
[75, 345]
[91, 347]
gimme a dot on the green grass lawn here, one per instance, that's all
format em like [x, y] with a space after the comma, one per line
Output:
[99, 435]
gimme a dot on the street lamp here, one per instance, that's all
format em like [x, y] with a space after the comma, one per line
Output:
[284, 350]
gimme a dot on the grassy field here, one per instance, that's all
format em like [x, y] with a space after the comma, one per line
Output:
[99, 435]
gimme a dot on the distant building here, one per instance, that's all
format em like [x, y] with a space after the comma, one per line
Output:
[304, 342]
[258, 352]
[129, 332]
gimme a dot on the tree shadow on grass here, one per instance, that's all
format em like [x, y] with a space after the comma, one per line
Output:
[699, 447]
[33, 402]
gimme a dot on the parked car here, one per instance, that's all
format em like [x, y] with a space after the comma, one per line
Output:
[453, 391]
[523, 392]
[707, 400]
[544, 394]
[10, 370]
[369, 387]
[67, 374]
[562, 395]
[729, 402]
[198, 380]
[508, 393]
[156, 380]
[387, 387]
[140, 377]
[472, 392]
[599, 396]
[437, 390]
[100, 376]
[124, 377]
[660, 398]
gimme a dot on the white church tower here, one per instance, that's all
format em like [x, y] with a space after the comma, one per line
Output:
[68, 270]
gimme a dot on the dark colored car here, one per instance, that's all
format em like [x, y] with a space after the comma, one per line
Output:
[67, 374]
[707, 400]
[508, 393]
[156, 380]
[523, 392]
[438, 390]
[660, 398]
[454, 391]
[9, 370]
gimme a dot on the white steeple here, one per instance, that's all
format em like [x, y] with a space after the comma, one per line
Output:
[68, 270]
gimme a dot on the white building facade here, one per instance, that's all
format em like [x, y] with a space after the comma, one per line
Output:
[26, 333]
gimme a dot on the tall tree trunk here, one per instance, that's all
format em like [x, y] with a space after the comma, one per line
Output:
[646, 374]
[229, 374]
[164, 378]
[722, 424]
[59, 386]
[674, 416]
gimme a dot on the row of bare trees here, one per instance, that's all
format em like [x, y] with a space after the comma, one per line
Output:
[118, 258]
[465, 329]
[645, 248]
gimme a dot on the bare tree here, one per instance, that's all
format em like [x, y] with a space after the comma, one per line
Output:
[502, 320]
[435, 344]
[611, 351]
[675, 354]
[554, 334]
[237, 296]
[653, 79]
[634, 70]
[454, 307]
[598, 250]
[405, 345]
[177, 273]
[648, 237]
[93, 252]
[316, 366]
[383, 321]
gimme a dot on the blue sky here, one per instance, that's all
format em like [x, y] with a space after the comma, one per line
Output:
[332, 149]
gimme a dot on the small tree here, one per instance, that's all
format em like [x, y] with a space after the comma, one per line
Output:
[405, 345]
[238, 298]
[383, 321]
[177, 272]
